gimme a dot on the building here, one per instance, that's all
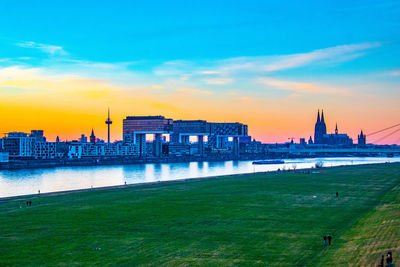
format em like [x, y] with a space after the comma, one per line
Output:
[253, 147]
[145, 124]
[83, 139]
[18, 145]
[310, 141]
[335, 139]
[177, 149]
[44, 150]
[135, 129]
[320, 129]
[38, 135]
[221, 132]
[92, 137]
[362, 139]
[78, 150]
[4, 157]
[183, 129]
[303, 142]
[209, 135]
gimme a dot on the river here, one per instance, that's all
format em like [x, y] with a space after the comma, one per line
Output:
[29, 181]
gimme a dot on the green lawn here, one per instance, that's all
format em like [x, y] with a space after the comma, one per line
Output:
[255, 219]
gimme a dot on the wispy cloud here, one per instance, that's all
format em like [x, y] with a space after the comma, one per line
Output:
[336, 54]
[194, 91]
[209, 75]
[225, 71]
[394, 73]
[303, 87]
[219, 81]
[263, 64]
[49, 49]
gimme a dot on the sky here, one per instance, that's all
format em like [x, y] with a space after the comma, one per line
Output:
[269, 64]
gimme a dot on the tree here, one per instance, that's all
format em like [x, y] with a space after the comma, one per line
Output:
[319, 164]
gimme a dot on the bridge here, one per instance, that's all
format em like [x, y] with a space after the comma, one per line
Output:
[355, 150]
[379, 137]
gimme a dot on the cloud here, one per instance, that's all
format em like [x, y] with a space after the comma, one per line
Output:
[245, 98]
[222, 71]
[157, 86]
[194, 91]
[37, 80]
[208, 72]
[49, 49]
[266, 64]
[394, 73]
[219, 81]
[17, 73]
[174, 68]
[302, 87]
[337, 54]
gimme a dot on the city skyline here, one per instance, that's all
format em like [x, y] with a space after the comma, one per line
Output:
[380, 139]
[262, 64]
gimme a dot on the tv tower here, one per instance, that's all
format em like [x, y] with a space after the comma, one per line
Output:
[108, 122]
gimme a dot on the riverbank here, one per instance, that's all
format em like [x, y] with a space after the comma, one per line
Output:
[255, 219]
[107, 161]
[126, 160]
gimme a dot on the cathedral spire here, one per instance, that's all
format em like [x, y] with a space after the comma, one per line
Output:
[92, 137]
[336, 129]
[318, 119]
[322, 117]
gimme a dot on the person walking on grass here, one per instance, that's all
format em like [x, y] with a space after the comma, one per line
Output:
[324, 240]
[389, 259]
[329, 239]
[337, 194]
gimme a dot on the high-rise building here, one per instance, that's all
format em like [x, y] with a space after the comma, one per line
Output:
[135, 129]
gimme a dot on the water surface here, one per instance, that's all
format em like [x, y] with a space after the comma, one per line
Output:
[29, 181]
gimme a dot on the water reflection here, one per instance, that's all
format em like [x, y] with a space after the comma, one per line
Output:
[193, 169]
[165, 172]
[21, 182]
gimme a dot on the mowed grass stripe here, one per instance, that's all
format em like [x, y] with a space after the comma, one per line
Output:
[254, 219]
[372, 236]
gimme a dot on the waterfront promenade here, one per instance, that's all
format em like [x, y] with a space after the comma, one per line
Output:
[251, 219]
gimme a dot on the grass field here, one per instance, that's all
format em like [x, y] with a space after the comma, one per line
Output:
[255, 219]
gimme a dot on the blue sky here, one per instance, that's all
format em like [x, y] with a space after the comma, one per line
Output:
[114, 31]
[301, 55]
